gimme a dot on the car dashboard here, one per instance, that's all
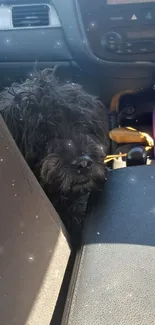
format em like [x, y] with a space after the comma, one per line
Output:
[112, 41]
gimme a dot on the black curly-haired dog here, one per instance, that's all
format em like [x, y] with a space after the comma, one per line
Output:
[62, 132]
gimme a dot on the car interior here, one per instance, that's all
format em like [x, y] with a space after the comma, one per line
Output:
[108, 46]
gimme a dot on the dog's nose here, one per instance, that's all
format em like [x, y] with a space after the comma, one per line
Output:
[82, 164]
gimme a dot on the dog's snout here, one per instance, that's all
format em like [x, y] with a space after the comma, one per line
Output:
[82, 164]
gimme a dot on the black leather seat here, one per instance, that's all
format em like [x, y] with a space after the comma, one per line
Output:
[114, 276]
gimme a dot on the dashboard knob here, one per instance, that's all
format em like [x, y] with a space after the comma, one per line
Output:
[136, 156]
[112, 41]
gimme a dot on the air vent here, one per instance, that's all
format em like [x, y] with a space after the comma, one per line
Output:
[30, 16]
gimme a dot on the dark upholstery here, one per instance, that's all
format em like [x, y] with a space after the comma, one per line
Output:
[33, 249]
[114, 276]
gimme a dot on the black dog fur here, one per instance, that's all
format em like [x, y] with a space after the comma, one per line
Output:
[53, 125]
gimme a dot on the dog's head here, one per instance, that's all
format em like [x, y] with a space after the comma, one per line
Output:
[62, 130]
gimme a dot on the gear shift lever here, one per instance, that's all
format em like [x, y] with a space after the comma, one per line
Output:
[136, 156]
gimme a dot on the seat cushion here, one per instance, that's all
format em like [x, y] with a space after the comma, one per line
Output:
[114, 276]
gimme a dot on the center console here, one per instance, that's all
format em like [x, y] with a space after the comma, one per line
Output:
[132, 129]
[120, 30]
[113, 281]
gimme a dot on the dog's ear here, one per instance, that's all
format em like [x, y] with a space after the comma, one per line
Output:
[96, 117]
[11, 114]
[100, 120]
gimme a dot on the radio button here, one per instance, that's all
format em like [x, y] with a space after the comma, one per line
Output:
[146, 15]
[111, 38]
[119, 51]
[143, 47]
[112, 41]
[144, 50]
[128, 45]
[112, 46]
[129, 51]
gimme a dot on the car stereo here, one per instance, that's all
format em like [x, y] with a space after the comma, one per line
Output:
[119, 28]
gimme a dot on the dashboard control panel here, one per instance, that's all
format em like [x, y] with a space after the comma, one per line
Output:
[115, 43]
[120, 30]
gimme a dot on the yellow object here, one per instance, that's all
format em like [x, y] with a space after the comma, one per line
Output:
[112, 157]
[130, 135]
[126, 134]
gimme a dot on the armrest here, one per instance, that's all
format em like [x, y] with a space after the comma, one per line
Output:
[114, 276]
